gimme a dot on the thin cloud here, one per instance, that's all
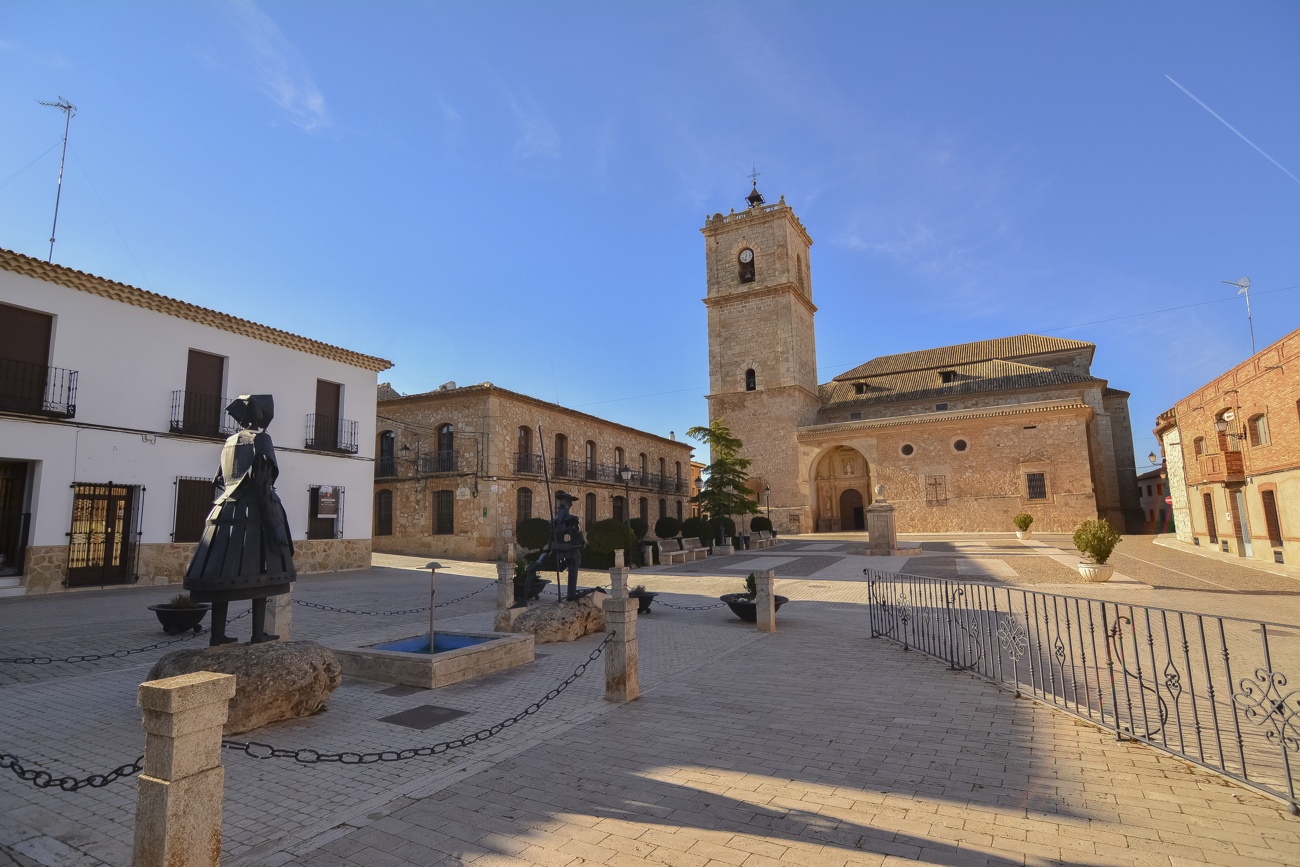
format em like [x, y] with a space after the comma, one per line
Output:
[281, 72]
[538, 137]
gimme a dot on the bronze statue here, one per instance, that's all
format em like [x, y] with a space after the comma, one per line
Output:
[564, 550]
[246, 551]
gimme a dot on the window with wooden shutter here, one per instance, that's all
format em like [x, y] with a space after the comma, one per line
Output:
[24, 358]
[193, 503]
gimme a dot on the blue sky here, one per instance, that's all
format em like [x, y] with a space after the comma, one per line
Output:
[513, 192]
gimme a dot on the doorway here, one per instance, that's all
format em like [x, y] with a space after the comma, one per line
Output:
[1243, 523]
[13, 520]
[101, 549]
[852, 516]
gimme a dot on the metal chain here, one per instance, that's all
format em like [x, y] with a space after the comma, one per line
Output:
[46, 780]
[116, 654]
[307, 604]
[688, 607]
[255, 750]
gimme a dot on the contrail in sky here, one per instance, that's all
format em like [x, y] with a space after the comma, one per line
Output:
[1234, 129]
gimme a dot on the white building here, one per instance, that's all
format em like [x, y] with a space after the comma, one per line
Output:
[112, 415]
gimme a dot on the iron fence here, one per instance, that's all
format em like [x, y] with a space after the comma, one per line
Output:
[37, 390]
[328, 434]
[1211, 690]
[201, 415]
[445, 461]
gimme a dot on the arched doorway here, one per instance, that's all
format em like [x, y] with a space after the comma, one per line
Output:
[852, 514]
[842, 484]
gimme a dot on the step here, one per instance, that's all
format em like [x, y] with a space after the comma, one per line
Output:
[12, 587]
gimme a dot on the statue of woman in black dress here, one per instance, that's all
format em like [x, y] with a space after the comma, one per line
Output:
[246, 551]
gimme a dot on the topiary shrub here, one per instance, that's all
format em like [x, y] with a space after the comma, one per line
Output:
[1022, 521]
[723, 526]
[1096, 539]
[533, 533]
[640, 526]
[668, 528]
[699, 528]
[759, 523]
[603, 539]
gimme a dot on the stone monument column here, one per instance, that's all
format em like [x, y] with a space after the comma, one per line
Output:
[880, 526]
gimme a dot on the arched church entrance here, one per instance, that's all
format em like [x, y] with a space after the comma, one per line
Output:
[852, 516]
[842, 482]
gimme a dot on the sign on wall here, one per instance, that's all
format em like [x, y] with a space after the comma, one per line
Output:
[327, 501]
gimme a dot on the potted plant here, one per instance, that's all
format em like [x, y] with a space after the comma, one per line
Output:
[743, 605]
[1096, 539]
[643, 596]
[1022, 522]
[521, 567]
[180, 614]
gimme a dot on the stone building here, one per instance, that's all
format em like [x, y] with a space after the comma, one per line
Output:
[1236, 445]
[112, 418]
[962, 437]
[458, 468]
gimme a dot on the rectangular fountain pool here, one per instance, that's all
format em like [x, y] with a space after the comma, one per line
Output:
[456, 656]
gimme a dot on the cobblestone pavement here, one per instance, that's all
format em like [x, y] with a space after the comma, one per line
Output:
[813, 745]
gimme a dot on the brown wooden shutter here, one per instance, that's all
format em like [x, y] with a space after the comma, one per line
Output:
[203, 400]
[193, 503]
[25, 335]
[328, 400]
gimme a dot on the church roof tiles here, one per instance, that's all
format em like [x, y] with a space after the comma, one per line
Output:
[984, 376]
[1003, 348]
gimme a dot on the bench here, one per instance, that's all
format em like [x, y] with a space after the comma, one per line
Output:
[762, 539]
[693, 547]
[670, 551]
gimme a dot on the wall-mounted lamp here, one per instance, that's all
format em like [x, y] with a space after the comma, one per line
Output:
[1152, 458]
[1221, 425]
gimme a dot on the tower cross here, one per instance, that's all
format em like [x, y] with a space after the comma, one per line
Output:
[753, 175]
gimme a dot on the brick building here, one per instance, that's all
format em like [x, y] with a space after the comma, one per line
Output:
[962, 437]
[1236, 441]
[458, 468]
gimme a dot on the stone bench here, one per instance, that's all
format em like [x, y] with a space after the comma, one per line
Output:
[670, 551]
[762, 539]
[693, 547]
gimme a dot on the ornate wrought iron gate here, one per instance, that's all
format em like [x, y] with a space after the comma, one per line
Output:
[1210, 690]
[104, 540]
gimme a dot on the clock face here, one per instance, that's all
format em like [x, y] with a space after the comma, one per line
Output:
[746, 256]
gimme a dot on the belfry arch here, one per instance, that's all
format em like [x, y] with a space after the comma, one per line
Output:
[841, 484]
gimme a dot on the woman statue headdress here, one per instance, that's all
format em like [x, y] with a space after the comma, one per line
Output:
[246, 551]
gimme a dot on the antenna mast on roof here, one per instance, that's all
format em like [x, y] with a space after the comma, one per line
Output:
[68, 110]
[1243, 288]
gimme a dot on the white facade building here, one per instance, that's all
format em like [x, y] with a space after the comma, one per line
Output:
[112, 415]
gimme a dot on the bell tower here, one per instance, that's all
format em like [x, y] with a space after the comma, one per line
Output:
[762, 349]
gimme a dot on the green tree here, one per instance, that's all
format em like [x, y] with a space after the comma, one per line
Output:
[726, 491]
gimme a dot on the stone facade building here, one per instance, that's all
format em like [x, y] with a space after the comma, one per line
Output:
[458, 468]
[962, 437]
[1236, 445]
[112, 418]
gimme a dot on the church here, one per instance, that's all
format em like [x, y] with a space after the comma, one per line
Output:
[961, 437]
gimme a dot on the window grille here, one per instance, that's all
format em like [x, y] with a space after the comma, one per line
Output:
[936, 490]
[444, 513]
[384, 513]
[1036, 483]
[523, 504]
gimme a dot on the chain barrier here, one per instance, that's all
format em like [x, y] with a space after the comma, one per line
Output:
[317, 605]
[116, 654]
[256, 750]
[688, 607]
[46, 780]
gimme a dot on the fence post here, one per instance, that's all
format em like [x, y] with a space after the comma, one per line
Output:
[622, 682]
[618, 581]
[178, 800]
[765, 599]
[279, 615]
[506, 579]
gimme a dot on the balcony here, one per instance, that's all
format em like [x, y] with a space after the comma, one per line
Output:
[528, 465]
[326, 434]
[34, 389]
[386, 467]
[439, 463]
[201, 415]
[1224, 467]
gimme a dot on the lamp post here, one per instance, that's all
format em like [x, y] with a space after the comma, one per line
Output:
[767, 493]
[625, 473]
[1153, 459]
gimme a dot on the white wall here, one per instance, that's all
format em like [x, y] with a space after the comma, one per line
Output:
[129, 360]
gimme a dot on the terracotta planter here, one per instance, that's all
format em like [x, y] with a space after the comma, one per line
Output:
[177, 620]
[1096, 573]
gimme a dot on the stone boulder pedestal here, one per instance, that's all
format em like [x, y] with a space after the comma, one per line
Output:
[274, 681]
[550, 622]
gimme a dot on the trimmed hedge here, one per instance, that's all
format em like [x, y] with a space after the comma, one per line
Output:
[759, 522]
[640, 526]
[725, 524]
[699, 528]
[603, 539]
[533, 533]
[668, 528]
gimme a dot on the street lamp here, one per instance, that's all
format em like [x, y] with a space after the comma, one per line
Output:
[1152, 458]
[625, 473]
[767, 492]
[699, 488]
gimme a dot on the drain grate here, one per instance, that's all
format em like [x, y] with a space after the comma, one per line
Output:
[426, 716]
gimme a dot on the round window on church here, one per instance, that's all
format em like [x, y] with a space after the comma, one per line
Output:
[907, 450]
[959, 445]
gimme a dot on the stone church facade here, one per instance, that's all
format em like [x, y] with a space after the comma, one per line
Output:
[962, 437]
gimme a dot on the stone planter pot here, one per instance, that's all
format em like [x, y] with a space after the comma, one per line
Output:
[177, 620]
[745, 608]
[643, 601]
[1096, 573]
[1023, 535]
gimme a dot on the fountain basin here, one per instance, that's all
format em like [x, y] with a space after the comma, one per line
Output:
[456, 656]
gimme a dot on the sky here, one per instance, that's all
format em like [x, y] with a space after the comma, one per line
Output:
[513, 192]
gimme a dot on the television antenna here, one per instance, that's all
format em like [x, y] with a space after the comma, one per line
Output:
[1243, 288]
[68, 110]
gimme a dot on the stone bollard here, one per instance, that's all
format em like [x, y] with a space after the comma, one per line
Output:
[618, 558]
[505, 584]
[621, 679]
[618, 582]
[433, 566]
[279, 615]
[648, 554]
[765, 600]
[178, 799]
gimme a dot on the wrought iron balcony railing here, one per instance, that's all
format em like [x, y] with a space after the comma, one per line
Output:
[447, 461]
[385, 467]
[34, 389]
[201, 415]
[1211, 690]
[527, 464]
[328, 434]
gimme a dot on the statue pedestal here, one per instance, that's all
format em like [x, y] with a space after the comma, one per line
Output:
[881, 529]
